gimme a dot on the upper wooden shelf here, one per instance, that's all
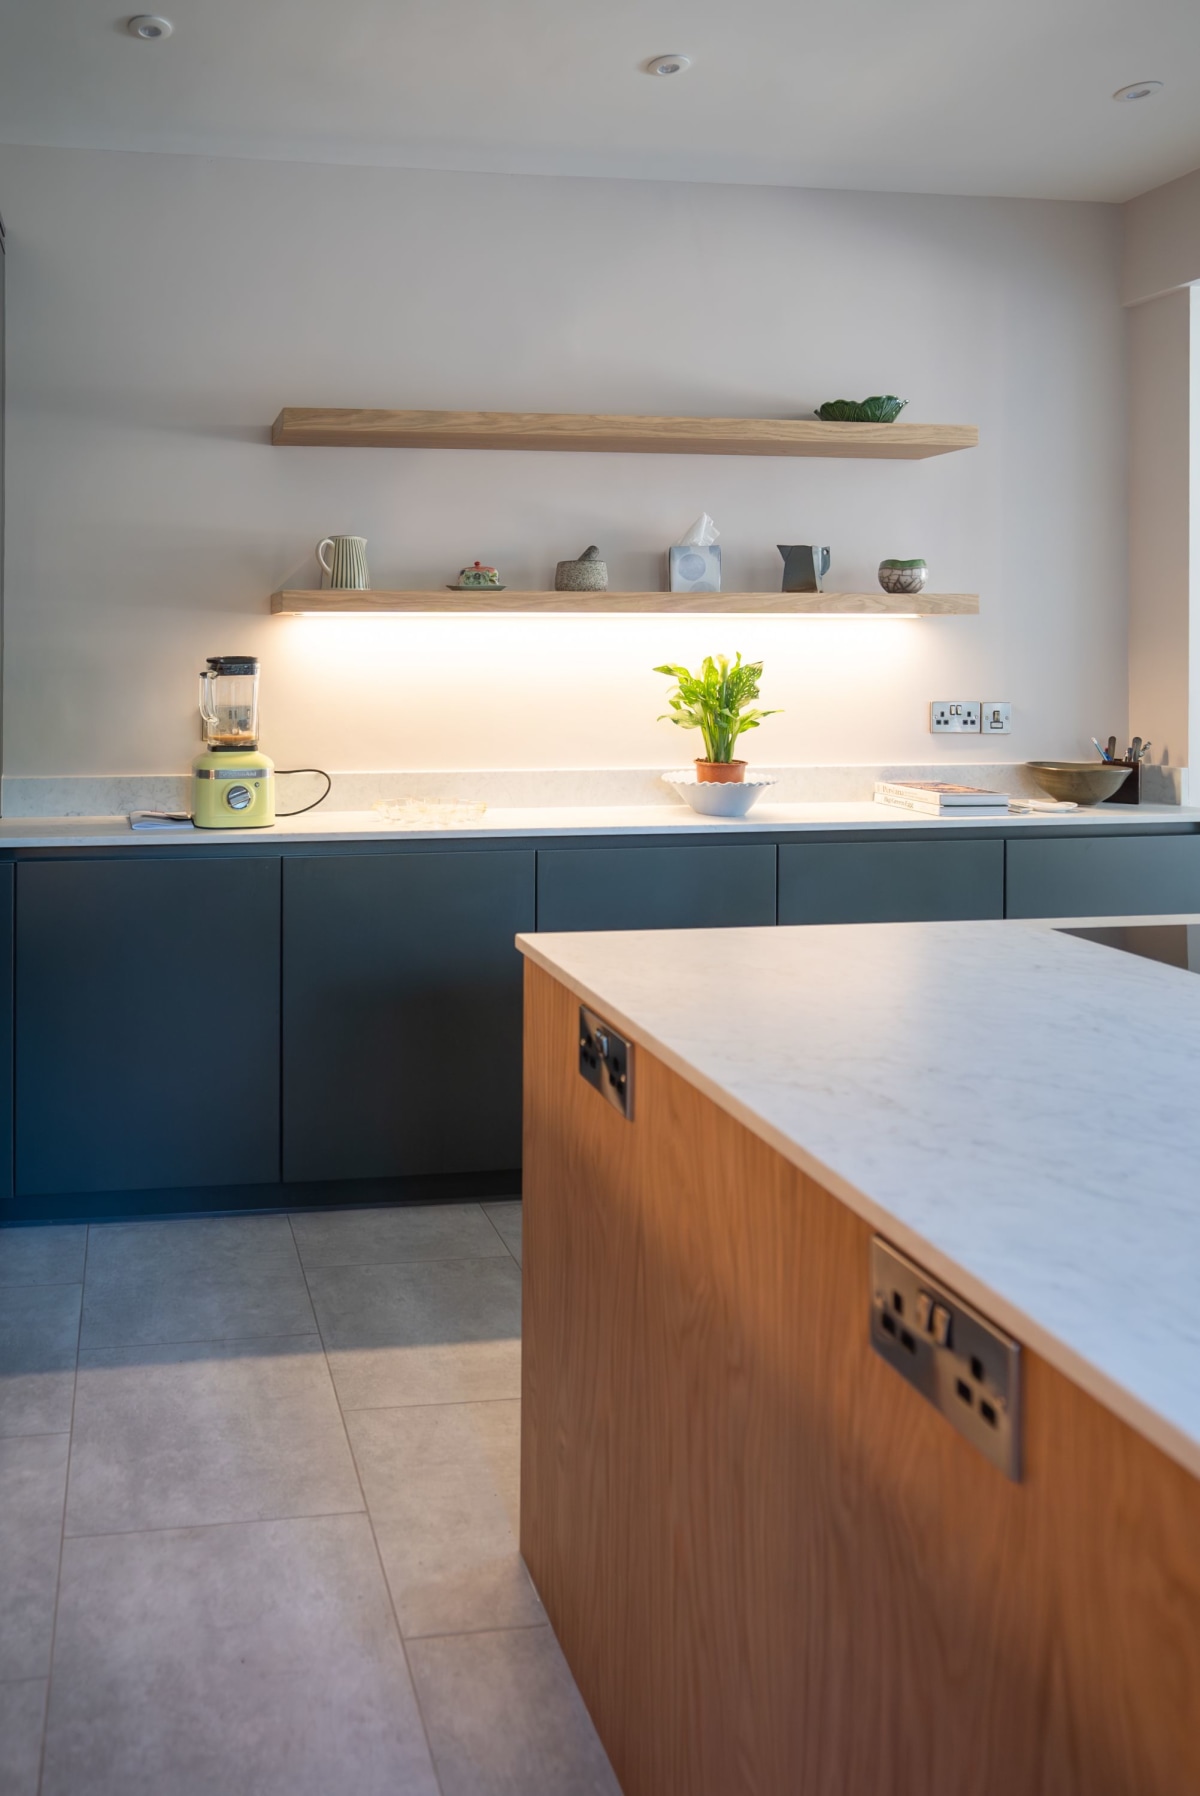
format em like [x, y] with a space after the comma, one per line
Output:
[794, 604]
[333, 427]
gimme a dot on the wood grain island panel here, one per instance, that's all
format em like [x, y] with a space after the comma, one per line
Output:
[774, 1570]
[346, 427]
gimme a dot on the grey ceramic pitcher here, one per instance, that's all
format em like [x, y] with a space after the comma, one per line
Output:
[347, 564]
[803, 566]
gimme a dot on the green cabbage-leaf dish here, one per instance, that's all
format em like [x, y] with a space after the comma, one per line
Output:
[883, 408]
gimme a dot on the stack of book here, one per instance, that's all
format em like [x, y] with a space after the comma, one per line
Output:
[935, 798]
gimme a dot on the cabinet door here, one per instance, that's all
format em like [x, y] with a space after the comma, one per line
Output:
[402, 1013]
[6, 1029]
[147, 1024]
[890, 882]
[656, 888]
[1094, 877]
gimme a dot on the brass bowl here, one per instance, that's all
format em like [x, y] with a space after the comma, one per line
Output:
[1079, 782]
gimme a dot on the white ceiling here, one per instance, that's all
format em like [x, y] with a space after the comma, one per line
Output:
[929, 96]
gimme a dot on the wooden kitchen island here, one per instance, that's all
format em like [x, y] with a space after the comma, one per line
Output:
[776, 1569]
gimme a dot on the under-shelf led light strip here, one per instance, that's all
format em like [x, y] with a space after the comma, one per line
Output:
[870, 617]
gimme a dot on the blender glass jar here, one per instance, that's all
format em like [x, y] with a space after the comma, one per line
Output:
[229, 702]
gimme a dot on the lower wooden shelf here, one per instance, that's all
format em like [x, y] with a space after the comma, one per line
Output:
[795, 604]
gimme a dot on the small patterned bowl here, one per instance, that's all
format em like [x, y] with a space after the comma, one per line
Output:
[903, 576]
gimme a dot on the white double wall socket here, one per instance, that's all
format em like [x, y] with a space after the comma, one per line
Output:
[954, 717]
[970, 717]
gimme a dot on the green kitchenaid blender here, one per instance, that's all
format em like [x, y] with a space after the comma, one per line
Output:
[233, 784]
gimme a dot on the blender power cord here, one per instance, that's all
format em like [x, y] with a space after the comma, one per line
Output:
[285, 772]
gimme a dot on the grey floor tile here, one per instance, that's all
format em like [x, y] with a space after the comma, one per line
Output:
[261, 1657]
[43, 1256]
[182, 1243]
[125, 1305]
[407, 1232]
[170, 1437]
[22, 1710]
[507, 1217]
[442, 1484]
[39, 1332]
[33, 1482]
[445, 1331]
[505, 1718]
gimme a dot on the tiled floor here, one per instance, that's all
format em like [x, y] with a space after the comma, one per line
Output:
[258, 1493]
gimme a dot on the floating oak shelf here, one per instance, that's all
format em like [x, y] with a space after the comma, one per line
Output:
[333, 427]
[794, 604]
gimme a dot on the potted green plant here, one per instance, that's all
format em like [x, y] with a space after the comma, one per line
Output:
[714, 701]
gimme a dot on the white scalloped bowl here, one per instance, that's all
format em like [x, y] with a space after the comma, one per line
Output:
[719, 799]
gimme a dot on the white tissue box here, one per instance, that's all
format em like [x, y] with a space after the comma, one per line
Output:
[694, 569]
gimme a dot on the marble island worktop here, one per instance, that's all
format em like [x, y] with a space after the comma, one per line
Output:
[579, 820]
[1015, 1108]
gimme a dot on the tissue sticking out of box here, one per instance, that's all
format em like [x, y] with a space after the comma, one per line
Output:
[694, 562]
[702, 534]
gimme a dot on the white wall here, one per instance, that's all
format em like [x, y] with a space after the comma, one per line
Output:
[1161, 240]
[162, 308]
[1160, 339]
[1160, 257]
[1193, 503]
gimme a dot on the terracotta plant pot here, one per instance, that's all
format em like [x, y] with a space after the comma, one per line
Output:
[721, 773]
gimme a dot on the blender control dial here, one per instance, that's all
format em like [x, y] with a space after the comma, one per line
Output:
[239, 798]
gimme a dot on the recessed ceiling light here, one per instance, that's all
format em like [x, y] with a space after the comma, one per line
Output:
[1138, 90]
[148, 26]
[674, 64]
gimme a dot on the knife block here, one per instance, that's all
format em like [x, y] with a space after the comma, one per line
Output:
[1130, 790]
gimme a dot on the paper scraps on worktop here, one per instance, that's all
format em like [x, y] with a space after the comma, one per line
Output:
[160, 820]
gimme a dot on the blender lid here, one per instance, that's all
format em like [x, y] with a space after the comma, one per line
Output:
[233, 664]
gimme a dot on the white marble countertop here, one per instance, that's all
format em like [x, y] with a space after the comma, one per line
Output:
[1015, 1108]
[583, 820]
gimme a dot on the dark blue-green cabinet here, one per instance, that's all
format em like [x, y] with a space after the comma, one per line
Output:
[1103, 877]
[673, 887]
[147, 1024]
[6, 1035]
[890, 882]
[402, 1013]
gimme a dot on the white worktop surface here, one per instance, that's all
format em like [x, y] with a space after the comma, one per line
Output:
[1017, 1109]
[563, 820]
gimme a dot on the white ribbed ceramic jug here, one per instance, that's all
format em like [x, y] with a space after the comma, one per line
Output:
[347, 564]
